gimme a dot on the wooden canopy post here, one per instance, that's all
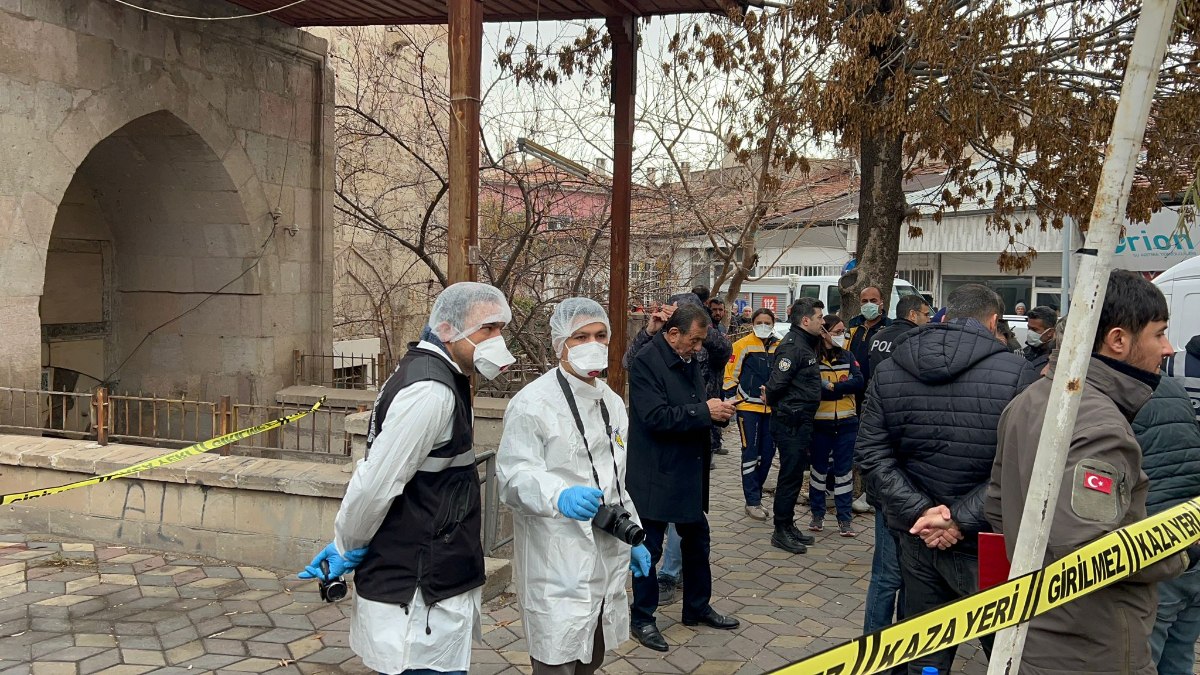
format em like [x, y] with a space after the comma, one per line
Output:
[466, 47]
[624, 37]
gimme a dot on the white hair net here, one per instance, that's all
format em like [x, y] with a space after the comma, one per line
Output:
[572, 314]
[464, 308]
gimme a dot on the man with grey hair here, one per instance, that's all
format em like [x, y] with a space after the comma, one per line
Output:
[926, 443]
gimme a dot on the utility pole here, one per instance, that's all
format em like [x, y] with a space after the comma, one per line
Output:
[466, 34]
[1108, 214]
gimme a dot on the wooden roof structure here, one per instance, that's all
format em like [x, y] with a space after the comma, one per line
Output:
[464, 19]
[380, 12]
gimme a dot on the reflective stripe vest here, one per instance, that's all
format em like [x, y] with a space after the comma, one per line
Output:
[430, 537]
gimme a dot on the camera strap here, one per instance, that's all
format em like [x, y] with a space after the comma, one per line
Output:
[566, 389]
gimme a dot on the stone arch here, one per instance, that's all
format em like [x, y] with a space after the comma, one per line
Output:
[105, 112]
[157, 220]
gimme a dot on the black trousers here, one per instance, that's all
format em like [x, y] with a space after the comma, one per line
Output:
[933, 578]
[793, 442]
[697, 577]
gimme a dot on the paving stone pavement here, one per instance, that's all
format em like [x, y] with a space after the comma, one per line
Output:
[77, 608]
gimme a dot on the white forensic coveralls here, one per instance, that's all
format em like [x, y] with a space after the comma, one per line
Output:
[389, 638]
[565, 569]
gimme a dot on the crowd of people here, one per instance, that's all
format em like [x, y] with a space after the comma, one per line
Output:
[938, 415]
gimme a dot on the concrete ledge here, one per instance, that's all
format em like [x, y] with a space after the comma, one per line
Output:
[248, 473]
[262, 512]
[304, 395]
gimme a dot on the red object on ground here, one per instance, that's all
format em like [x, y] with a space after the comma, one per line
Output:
[993, 560]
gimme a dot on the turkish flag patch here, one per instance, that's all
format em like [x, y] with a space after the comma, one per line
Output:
[1094, 481]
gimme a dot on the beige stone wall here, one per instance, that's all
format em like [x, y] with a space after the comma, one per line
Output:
[173, 142]
[398, 76]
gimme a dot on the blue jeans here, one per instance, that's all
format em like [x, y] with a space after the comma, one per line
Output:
[1173, 640]
[832, 452]
[758, 450]
[672, 558]
[885, 594]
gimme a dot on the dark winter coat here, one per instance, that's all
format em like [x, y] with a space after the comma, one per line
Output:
[859, 338]
[927, 432]
[880, 349]
[794, 387]
[1170, 438]
[669, 435]
[716, 352]
[1107, 631]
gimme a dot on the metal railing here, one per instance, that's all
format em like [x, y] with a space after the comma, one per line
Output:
[65, 413]
[341, 371]
[491, 504]
[162, 421]
[321, 432]
[151, 420]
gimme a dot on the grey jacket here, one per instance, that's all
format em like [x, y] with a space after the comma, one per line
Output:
[1107, 631]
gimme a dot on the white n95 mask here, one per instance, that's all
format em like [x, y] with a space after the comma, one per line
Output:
[492, 357]
[588, 359]
[763, 331]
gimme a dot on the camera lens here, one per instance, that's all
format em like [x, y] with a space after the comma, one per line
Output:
[334, 590]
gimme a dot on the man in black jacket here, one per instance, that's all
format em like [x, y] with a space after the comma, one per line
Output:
[926, 443]
[884, 595]
[1039, 342]
[669, 424]
[1170, 439]
[911, 311]
[794, 393]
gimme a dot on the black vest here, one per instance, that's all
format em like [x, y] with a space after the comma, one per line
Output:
[430, 538]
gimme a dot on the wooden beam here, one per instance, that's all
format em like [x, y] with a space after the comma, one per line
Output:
[624, 73]
[466, 38]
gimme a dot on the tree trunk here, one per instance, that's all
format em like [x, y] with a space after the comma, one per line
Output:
[881, 209]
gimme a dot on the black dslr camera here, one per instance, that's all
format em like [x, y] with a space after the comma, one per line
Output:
[617, 522]
[334, 589]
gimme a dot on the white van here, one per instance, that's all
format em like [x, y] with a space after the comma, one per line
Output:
[778, 293]
[1181, 285]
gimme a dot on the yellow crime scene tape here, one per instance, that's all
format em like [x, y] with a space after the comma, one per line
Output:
[1109, 559]
[163, 460]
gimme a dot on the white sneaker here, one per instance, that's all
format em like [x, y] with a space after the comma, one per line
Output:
[860, 505]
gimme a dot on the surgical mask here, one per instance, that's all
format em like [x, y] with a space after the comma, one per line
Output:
[870, 311]
[1033, 339]
[839, 341]
[763, 331]
[492, 357]
[588, 359]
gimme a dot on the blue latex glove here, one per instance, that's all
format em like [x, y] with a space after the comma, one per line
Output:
[579, 502]
[639, 561]
[338, 564]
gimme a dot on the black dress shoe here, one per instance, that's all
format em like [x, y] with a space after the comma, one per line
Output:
[649, 637]
[806, 539]
[783, 539]
[713, 620]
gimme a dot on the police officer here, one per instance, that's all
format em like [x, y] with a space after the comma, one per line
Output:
[912, 311]
[793, 391]
[410, 521]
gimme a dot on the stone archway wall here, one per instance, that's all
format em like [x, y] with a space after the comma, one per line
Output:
[256, 93]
